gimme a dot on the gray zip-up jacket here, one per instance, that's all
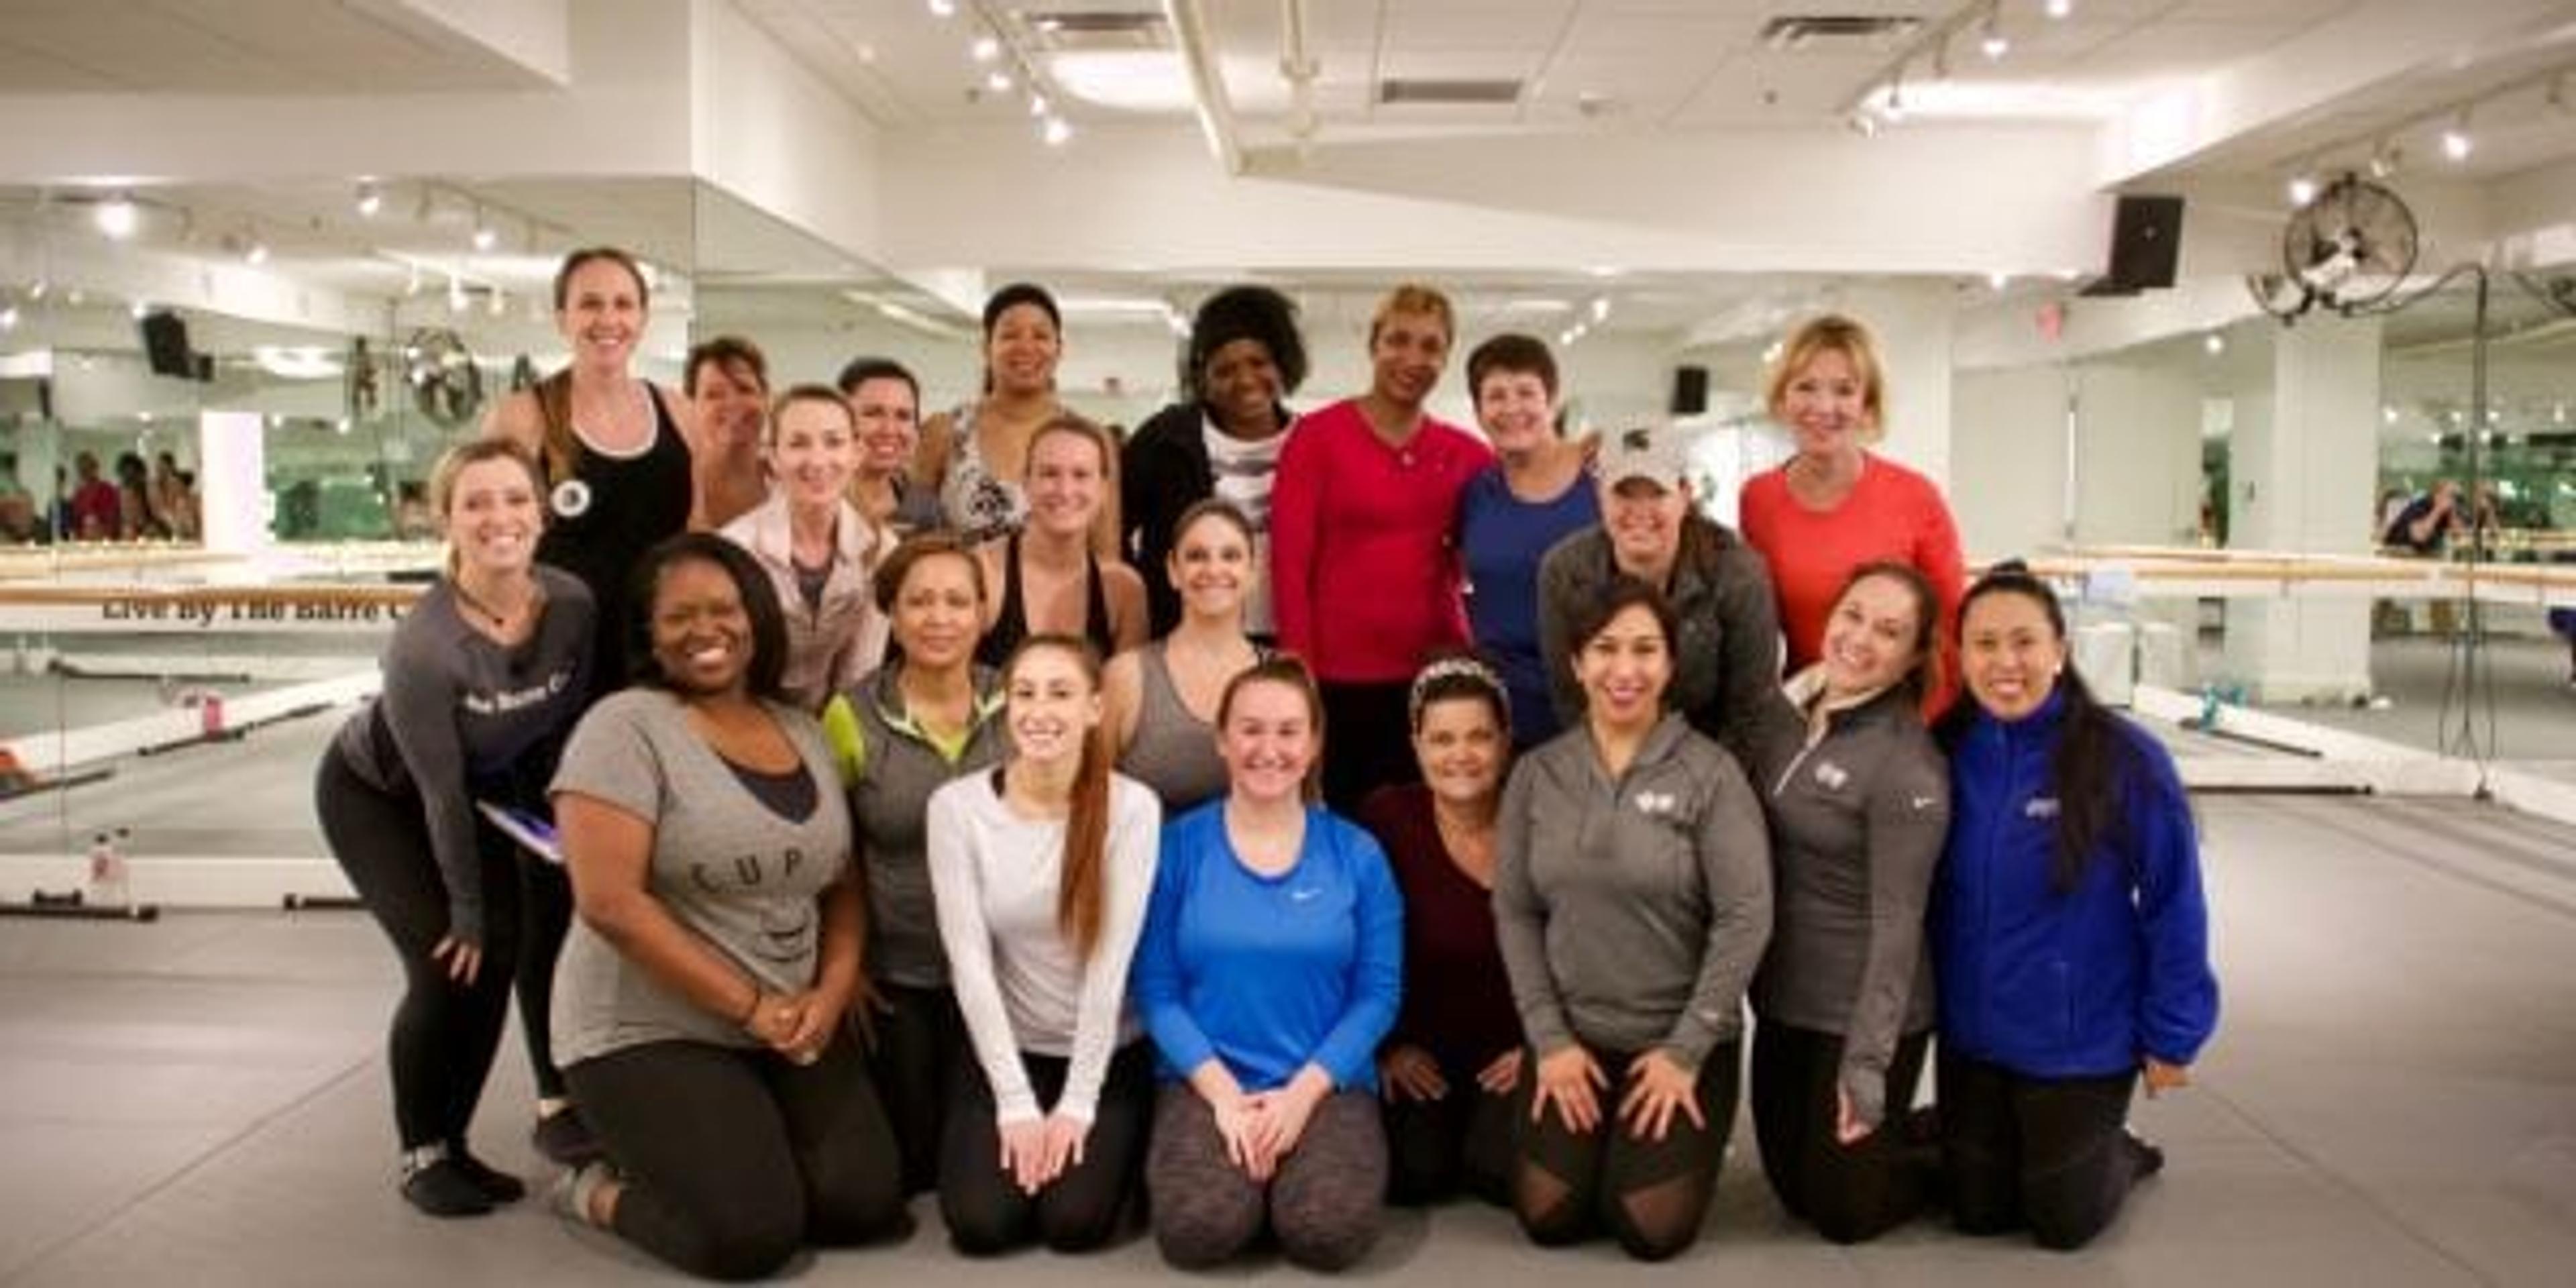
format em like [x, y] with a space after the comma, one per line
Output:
[1858, 815]
[1631, 911]
[1727, 659]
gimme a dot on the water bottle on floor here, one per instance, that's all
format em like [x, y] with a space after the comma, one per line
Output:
[109, 886]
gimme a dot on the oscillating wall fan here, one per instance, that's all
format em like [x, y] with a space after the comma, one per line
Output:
[445, 385]
[2347, 250]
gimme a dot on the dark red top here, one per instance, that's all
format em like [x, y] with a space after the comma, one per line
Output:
[1457, 1000]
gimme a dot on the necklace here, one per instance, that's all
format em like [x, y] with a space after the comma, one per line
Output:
[500, 621]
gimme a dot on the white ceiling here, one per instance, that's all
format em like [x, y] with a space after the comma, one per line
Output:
[1672, 70]
[235, 47]
[1674, 66]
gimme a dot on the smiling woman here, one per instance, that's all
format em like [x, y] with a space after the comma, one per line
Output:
[717, 955]
[481, 680]
[1367, 490]
[816, 547]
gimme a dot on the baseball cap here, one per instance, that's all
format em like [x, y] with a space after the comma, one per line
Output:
[1653, 453]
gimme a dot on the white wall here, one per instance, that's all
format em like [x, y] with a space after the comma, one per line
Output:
[2008, 459]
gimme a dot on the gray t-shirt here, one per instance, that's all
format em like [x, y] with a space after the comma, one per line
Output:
[729, 868]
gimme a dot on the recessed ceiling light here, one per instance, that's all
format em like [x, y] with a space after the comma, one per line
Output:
[1131, 80]
[1056, 131]
[117, 217]
[371, 200]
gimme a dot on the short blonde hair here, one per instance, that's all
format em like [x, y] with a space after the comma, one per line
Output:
[475, 451]
[1416, 298]
[1832, 333]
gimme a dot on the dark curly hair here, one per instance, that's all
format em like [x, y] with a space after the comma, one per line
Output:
[1255, 313]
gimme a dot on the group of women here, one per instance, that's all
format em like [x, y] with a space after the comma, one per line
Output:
[960, 818]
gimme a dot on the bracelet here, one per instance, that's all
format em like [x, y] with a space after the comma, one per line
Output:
[752, 1012]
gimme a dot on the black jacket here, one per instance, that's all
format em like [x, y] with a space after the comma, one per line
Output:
[1163, 471]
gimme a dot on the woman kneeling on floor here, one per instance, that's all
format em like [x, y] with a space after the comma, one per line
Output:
[1632, 896]
[1041, 869]
[701, 1002]
[2069, 937]
[1269, 972]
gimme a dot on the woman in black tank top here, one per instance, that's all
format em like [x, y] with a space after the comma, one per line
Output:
[1037, 568]
[620, 472]
[619, 477]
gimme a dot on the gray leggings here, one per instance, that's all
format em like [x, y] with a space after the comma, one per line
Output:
[1324, 1204]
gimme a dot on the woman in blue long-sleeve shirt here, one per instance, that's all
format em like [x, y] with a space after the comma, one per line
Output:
[1268, 973]
[2069, 935]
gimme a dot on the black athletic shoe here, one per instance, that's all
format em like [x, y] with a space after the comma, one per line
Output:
[2149, 1156]
[444, 1189]
[563, 1137]
[497, 1185]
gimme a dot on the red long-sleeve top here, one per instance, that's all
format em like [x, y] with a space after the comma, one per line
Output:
[1364, 578]
[1892, 513]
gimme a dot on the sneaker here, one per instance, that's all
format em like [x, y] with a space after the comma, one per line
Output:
[2149, 1156]
[497, 1185]
[571, 1194]
[443, 1189]
[564, 1138]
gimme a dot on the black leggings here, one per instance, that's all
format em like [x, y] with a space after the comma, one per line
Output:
[444, 1033]
[2052, 1154]
[1650, 1195]
[1372, 741]
[733, 1158]
[1464, 1140]
[986, 1210]
[1848, 1192]
[920, 1037]
[545, 919]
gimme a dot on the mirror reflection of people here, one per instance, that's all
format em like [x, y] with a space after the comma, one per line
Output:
[728, 382]
[705, 995]
[2070, 939]
[2427, 523]
[482, 679]
[97, 513]
[1632, 896]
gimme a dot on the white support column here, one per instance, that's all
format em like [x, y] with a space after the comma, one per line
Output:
[2303, 463]
[232, 481]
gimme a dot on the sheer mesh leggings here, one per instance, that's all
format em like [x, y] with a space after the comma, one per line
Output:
[1650, 1195]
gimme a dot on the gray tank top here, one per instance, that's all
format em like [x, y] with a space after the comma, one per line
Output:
[1173, 752]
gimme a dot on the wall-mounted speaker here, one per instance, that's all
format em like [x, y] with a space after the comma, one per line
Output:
[1690, 391]
[2146, 244]
[165, 347]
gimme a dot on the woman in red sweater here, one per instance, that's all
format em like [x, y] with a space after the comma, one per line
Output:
[1835, 505]
[1364, 578]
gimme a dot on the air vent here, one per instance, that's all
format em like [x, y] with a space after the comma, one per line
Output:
[1085, 30]
[1411, 92]
[1837, 31]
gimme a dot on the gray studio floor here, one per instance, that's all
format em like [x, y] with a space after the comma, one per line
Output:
[2392, 1100]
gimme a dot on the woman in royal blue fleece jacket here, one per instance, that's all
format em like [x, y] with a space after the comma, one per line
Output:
[2069, 936]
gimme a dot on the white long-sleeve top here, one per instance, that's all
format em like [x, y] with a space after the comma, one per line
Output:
[1018, 981]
